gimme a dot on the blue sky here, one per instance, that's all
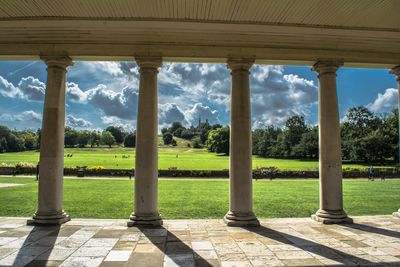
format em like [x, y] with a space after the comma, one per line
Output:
[100, 94]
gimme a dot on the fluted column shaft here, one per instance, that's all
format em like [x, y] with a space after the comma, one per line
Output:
[146, 166]
[330, 158]
[240, 170]
[396, 71]
[50, 203]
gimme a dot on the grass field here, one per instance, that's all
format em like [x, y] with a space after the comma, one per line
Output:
[181, 157]
[200, 198]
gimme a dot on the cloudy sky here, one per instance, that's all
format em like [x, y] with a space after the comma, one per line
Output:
[100, 94]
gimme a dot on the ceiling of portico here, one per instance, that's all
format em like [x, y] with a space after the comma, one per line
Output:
[361, 32]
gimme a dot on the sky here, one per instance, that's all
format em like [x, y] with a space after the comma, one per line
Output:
[100, 94]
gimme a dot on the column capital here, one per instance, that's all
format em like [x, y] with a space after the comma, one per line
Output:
[240, 63]
[57, 61]
[396, 71]
[149, 62]
[327, 66]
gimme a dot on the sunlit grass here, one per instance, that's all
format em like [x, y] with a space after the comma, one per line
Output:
[198, 198]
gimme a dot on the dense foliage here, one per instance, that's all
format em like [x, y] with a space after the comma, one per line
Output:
[366, 137]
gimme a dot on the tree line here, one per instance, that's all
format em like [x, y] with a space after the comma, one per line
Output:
[16, 141]
[366, 137]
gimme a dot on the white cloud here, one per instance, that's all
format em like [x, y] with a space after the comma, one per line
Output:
[275, 96]
[75, 94]
[29, 88]
[118, 104]
[77, 122]
[7, 89]
[384, 102]
[169, 113]
[127, 125]
[32, 89]
[200, 111]
[25, 116]
[109, 67]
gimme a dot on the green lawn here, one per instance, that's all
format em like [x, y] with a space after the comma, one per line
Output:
[184, 158]
[200, 198]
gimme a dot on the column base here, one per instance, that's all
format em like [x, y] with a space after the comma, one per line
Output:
[331, 217]
[396, 214]
[42, 218]
[143, 219]
[238, 219]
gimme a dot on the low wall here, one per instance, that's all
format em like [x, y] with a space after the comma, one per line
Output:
[266, 173]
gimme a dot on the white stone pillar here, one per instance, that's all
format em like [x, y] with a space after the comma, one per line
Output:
[146, 166]
[240, 171]
[396, 71]
[50, 204]
[330, 155]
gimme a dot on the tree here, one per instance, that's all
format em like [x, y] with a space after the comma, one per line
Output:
[295, 127]
[187, 134]
[3, 145]
[168, 138]
[218, 140]
[14, 143]
[117, 132]
[83, 138]
[358, 124]
[196, 143]
[308, 146]
[178, 132]
[107, 139]
[30, 140]
[175, 126]
[130, 140]
[94, 138]
[71, 137]
[264, 141]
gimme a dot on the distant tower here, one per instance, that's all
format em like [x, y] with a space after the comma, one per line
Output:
[199, 126]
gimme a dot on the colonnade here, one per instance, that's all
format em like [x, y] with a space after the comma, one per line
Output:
[50, 208]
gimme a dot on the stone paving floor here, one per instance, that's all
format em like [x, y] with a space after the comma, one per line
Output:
[370, 241]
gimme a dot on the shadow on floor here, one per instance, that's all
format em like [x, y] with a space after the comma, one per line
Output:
[177, 252]
[372, 229]
[36, 249]
[316, 248]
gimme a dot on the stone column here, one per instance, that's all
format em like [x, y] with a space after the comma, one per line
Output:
[50, 204]
[330, 155]
[146, 166]
[396, 71]
[240, 171]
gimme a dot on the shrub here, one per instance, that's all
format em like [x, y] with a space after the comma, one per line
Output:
[25, 165]
[96, 168]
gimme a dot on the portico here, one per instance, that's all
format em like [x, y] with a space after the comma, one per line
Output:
[239, 33]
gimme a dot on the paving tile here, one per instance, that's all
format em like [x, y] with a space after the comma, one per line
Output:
[264, 261]
[56, 254]
[205, 254]
[202, 245]
[207, 263]
[44, 263]
[118, 255]
[146, 260]
[302, 262]
[236, 264]
[147, 248]
[101, 242]
[289, 242]
[232, 257]
[91, 252]
[82, 262]
[179, 260]
[177, 247]
[125, 245]
[292, 254]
